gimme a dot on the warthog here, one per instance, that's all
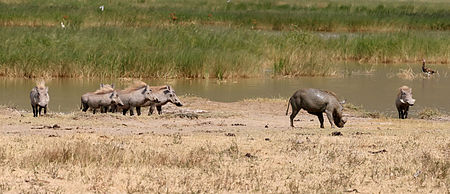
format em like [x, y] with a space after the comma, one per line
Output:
[403, 101]
[102, 98]
[165, 94]
[39, 98]
[135, 96]
[316, 102]
[105, 109]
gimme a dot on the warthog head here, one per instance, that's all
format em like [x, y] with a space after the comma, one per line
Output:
[42, 96]
[115, 98]
[172, 97]
[405, 96]
[149, 95]
[339, 121]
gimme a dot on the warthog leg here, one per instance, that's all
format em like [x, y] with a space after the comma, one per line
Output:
[138, 110]
[159, 108]
[320, 115]
[406, 112]
[151, 109]
[330, 117]
[124, 111]
[113, 108]
[293, 114]
[34, 110]
[131, 111]
[93, 111]
[104, 109]
[40, 110]
[45, 109]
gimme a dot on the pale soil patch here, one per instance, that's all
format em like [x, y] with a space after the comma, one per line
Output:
[225, 148]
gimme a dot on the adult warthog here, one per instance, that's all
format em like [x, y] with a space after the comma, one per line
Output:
[136, 96]
[39, 98]
[403, 101]
[316, 102]
[102, 98]
[165, 94]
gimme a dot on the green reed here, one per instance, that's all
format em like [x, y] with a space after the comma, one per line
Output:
[198, 51]
[199, 39]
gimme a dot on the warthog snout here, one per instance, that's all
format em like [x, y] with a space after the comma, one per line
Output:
[155, 99]
[115, 99]
[341, 123]
[411, 102]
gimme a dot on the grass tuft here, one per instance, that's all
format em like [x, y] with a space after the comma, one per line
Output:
[429, 113]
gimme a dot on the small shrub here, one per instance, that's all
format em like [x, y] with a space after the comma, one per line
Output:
[374, 115]
[429, 113]
[352, 107]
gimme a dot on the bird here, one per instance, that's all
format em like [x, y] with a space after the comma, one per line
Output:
[425, 69]
[102, 7]
[62, 25]
[173, 16]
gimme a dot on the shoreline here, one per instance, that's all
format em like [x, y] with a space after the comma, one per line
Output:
[210, 146]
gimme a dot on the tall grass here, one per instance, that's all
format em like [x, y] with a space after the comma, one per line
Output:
[198, 51]
[215, 39]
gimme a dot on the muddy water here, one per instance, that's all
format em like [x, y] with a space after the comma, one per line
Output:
[373, 87]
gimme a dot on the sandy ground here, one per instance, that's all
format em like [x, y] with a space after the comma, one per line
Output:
[198, 115]
[208, 146]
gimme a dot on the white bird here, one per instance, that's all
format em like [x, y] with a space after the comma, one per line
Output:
[228, 1]
[102, 7]
[62, 25]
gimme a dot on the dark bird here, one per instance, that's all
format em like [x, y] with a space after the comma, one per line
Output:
[425, 69]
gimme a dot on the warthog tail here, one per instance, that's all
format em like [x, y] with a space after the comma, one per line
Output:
[289, 102]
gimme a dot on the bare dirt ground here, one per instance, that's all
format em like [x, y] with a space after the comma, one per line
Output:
[213, 147]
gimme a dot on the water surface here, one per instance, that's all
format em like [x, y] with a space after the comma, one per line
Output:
[373, 87]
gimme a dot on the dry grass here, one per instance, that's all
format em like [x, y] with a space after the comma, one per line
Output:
[290, 162]
[407, 74]
[429, 113]
[277, 159]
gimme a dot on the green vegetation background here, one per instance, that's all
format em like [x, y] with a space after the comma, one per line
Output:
[213, 38]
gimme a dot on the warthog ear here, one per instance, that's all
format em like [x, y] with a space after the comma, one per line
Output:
[168, 87]
[101, 85]
[46, 89]
[343, 102]
[112, 85]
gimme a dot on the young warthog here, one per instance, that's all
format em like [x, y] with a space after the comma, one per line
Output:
[102, 98]
[316, 102]
[403, 101]
[39, 98]
[136, 96]
[164, 94]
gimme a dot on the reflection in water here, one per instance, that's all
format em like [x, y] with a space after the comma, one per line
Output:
[365, 85]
